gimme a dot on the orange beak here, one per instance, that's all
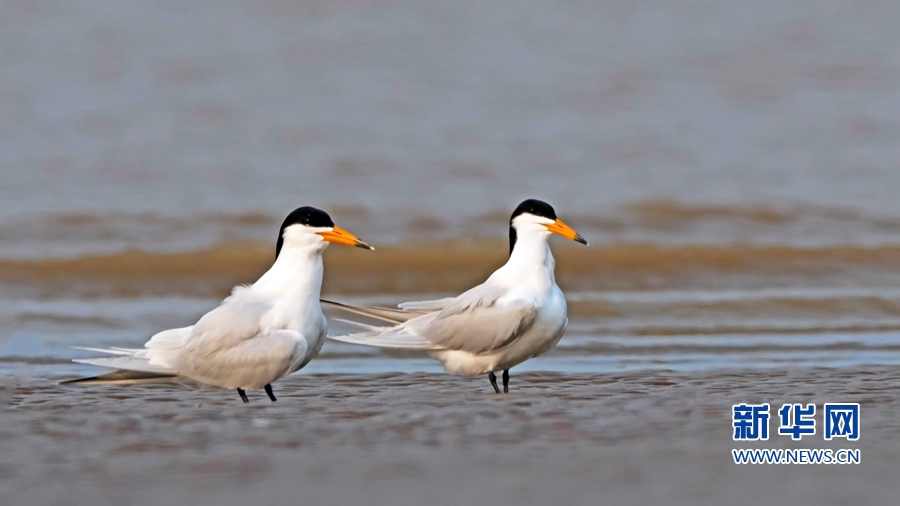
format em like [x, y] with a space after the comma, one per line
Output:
[558, 227]
[338, 235]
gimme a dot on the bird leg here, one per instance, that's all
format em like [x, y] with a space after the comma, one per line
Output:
[493, 378]
[505, 381]
[269, 392]
[243, 395]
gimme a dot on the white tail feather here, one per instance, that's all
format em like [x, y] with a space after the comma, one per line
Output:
[384, 314]
[108, 351]
[127, 363]
[384, 338]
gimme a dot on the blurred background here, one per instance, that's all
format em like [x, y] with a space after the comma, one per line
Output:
[734, 165]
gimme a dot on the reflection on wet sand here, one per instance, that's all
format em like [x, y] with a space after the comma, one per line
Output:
[638, 438]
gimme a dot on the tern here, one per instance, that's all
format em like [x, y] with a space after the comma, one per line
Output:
[517, 314]
[259, 334]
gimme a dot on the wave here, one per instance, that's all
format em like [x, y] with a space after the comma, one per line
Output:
[72, 224]
[671, 220]
[455, 265]
[656, 213]
[663, 210]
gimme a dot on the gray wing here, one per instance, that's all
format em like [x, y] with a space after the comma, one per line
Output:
[236, 320]
[233, 329]
[253, 361]
[427, 305]
[229, 347]
[476, 322]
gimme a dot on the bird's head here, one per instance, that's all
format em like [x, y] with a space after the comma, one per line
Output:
[537, 218]
[308, 227]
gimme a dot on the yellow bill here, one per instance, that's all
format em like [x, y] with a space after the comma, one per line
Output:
[558, 227]
[338, 235]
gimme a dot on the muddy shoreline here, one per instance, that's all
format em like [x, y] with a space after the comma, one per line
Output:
[635, 438]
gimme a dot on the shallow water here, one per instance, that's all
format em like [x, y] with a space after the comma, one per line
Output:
[170, 127]
[682, 330]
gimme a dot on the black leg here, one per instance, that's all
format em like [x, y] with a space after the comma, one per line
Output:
[493, 378]
[243, 395]
[269, 391]
[505, 381]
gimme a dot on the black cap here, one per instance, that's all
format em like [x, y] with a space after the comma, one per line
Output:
[535, 207]
[530, 206]
[306, 215]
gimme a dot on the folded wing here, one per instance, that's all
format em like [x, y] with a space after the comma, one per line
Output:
[478, 321]
[227, 347]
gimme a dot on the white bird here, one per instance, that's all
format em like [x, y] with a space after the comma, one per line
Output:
[517, 314]
[261, 333]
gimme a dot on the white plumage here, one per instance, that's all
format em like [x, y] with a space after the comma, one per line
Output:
[518, 313]
[259, 334]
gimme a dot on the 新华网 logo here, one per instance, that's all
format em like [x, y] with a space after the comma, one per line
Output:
[751, 421]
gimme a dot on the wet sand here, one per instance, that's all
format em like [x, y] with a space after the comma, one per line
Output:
[635, 438]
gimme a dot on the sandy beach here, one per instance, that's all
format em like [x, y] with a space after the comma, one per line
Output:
[643, 438]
